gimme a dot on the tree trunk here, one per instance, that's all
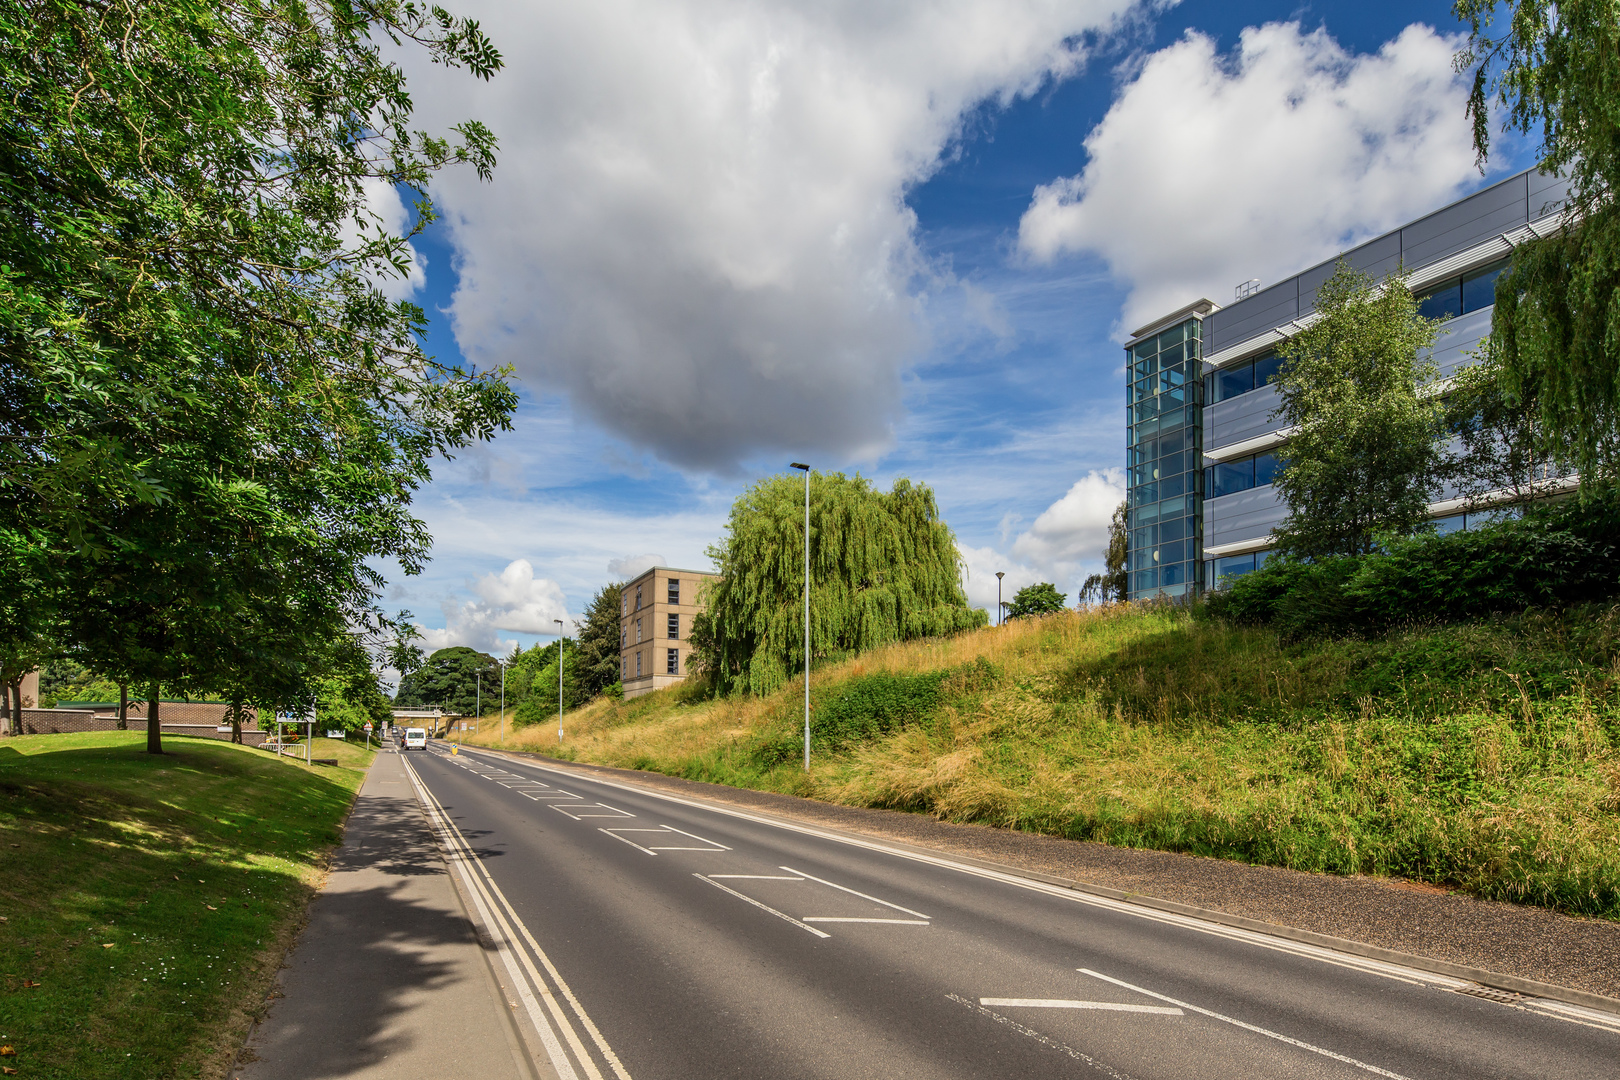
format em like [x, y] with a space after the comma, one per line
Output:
[154, 727]
[236, 721]
[123, 706]
[13, 698]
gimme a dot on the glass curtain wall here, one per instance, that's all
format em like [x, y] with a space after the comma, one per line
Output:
[1164, 436]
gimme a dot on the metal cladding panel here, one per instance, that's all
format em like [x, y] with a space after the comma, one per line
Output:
[1479, 217]
[1248, 515]
[1459, 338]
[1243, 417]
[1547, 193]
[1267, 308]
[1380, 258]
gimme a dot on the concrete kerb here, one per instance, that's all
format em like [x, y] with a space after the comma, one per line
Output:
[1493, 979]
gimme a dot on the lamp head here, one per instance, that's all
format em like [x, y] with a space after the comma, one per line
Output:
[1000, 574]
[799, 465]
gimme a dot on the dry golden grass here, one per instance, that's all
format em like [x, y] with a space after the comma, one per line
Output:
[1147, 728]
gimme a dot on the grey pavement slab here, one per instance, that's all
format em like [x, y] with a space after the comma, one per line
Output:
[389, 978]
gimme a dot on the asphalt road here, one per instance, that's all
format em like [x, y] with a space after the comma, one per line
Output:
[664, 938]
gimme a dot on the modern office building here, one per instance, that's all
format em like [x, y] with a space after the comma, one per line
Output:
[1202, 451]
[655, 619]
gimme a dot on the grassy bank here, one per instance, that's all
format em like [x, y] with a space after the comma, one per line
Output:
[1483, 756]
[147, 900]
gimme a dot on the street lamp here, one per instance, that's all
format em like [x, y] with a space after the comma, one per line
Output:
[503, 702]
[999, 575]
[559, 623]
[806, 470]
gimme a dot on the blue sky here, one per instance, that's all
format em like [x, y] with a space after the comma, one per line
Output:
[726, 236]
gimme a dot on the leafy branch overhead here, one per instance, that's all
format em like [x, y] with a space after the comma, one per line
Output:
[212, 420]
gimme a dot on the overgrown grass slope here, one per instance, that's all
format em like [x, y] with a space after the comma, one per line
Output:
[1483, 756]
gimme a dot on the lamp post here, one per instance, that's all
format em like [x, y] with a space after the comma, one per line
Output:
[999, 575]
[806, 470]
[559, 623]
[503, 702]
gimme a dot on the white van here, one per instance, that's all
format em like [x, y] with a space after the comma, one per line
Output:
[415, 738]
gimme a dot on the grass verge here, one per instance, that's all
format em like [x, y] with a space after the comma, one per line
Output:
[1483, 757]
[148, 900]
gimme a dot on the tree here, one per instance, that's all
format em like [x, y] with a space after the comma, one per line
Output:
[883, 568]
[1113, 583]
[1363, 458]
[538, 668]
[450, 680]
[1039, 599]
[598, 653]
[206, 403]
[1555, 71]
[1498, 457]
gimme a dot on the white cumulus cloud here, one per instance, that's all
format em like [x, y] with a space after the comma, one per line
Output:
[631, 566]
[513, 600]
[697, 229]
[1212, 169]
[1074, 529]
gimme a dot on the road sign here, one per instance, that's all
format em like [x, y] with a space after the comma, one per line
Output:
[368, 725]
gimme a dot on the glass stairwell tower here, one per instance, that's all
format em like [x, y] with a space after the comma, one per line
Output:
[1164, 440]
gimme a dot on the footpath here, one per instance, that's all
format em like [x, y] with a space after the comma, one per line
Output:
[389, 979]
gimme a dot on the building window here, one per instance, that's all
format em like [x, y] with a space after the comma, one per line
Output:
[621, 635]
[1233, 566]
[1471, 292]
[1164, 400]
[673, 664]
[1252, 374]
[1230, 477]
[638, 631]
[624, 667]
[674, 625]
[638, 597]
[674, 591]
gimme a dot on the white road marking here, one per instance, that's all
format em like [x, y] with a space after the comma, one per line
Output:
[654, 849]
[493, 902]
[1058, 1003]
[757, 877]
[569, 810]
[1374, 1069]
[852, 892]
[763, 907]
[1106, 1070]
[897, 922]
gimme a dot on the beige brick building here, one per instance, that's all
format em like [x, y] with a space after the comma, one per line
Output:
[655, 619]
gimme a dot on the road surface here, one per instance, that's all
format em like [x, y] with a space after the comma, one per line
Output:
[660, 937]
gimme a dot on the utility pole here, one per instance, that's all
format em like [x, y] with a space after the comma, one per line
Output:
[806, 470]
[559, 623]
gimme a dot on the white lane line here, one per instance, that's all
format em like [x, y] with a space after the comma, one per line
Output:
[694, 836]
[763, 907]
[1106, 1070]
[757, 877]
[852, 892]
[1058, 1003]
[497, 930]
[615, 834]
[666, 830]
[1367, 965]
[612, 812]
[1374, 1069]
[896, 922]
[464, 856]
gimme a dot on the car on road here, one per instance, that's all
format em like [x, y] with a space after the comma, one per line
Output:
[416, 738]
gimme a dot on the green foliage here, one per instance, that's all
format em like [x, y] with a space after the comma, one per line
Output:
[1112, 584]
[211, 420]
[531, 682]
[1499, 441]
[1556, 556]
[64, 680]
[1555, 71]
[1039, 599]
[1363, 459]
[883, 568]
[598, 653]
[449, 680]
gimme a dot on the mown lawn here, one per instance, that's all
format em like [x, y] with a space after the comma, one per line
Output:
[147, 900]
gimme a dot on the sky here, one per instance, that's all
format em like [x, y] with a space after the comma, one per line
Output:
[903, 239]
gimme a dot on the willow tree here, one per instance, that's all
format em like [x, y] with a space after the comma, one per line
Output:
[1553, 69]
[883, 568]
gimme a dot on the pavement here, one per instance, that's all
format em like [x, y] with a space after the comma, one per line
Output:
[389, 978]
